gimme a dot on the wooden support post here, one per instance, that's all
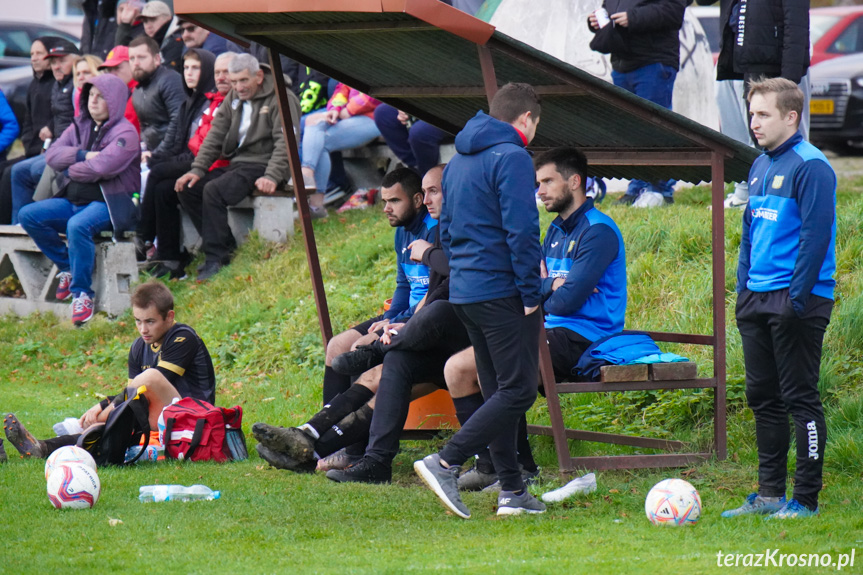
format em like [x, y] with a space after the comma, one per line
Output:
[302, 200]
[720, 438]
[489, 78]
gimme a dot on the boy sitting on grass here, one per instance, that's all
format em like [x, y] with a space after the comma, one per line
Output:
[169, 359]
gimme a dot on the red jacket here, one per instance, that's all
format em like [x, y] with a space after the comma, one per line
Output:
[206, 122]
[130, 109]
[357, 103]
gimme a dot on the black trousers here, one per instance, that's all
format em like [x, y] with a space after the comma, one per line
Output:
[417, 355]
[506, 347]
[6, 190]
[160, 216]
[209, 201]
[782, 353]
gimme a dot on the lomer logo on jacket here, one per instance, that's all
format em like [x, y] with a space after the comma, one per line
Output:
[777, 182]
[766, 214]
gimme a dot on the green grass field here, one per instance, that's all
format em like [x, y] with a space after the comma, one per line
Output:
[259, 322]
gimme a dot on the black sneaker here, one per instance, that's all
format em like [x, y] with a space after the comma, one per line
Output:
[442, 481]
[282, 461]
[3, 457]
[23, 440]
[210, 269]
[173, 269]
[475, 480]
[360, 360]
[366, 470]
[292, 441]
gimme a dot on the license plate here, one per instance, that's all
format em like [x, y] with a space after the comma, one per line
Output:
[821, 107]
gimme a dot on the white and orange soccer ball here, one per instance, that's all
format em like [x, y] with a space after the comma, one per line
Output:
[73, 486]
[68, 454]
[673, 502]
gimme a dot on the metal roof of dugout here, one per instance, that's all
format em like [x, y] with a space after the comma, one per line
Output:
[442, 65]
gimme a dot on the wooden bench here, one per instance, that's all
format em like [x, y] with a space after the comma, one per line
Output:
[113, 276]
[625, 379]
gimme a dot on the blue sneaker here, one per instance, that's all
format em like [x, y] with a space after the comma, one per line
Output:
[757, 505]
[793, 510]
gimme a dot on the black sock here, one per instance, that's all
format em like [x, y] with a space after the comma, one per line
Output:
[49, 446]
[334, 384]
[357, 449]
[351, 429]
[525, 455]
[341, 405]
[464, 408]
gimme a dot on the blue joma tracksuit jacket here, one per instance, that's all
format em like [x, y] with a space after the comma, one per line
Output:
[586, 249]
[412, 278]
[789, 227]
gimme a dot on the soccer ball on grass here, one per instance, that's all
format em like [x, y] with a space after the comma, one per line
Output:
[73, 486]
[673, 502]
[69, 454]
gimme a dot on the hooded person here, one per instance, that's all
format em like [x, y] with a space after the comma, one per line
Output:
[159, 209]
[97, 160]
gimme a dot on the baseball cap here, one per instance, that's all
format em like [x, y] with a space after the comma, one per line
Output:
[116, 56]
[62, 47]
[155, 8]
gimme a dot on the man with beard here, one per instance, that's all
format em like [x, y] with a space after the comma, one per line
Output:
[159, 94]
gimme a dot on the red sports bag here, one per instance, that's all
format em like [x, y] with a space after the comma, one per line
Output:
[198, 431]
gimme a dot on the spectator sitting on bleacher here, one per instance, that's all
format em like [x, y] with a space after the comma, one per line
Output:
[83, 68]
[117, 64]
[247, 131]
[26, 174]
[347, 123]
[196, 37]
[37, 112]
[161, 25]
[97, 161]
[160, 216]
[158, 96]
[416, 143]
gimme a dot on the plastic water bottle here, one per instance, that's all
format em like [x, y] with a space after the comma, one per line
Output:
[177, 493]
[152, 454]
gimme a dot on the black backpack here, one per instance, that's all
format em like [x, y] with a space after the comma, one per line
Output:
[127, 425]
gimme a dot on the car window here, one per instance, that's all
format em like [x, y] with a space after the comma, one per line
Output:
[819, 24]
[850, 41]
[14, 43]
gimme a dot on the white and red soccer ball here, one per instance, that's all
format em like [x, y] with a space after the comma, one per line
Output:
[68, 454]
[73, 486]
[673, 502]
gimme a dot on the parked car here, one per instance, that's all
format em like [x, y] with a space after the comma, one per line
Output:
[835, 31]
[16, 37]
[14, 83]
[836, 104]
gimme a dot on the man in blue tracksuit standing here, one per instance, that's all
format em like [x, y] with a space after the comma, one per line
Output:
[785, 296]
[490, 232]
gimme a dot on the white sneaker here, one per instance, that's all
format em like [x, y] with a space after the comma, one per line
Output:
[585, 484]
[732, 201]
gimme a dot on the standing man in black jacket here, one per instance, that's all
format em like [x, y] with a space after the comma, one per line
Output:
[642, 37]
[759, 39]
[37, 114]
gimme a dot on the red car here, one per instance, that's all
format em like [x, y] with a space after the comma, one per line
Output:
[835, 32]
